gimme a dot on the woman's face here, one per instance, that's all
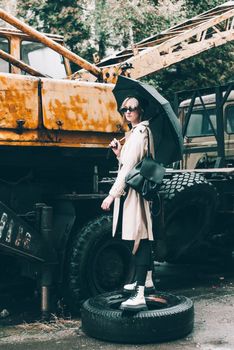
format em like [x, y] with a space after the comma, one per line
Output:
[131, 111]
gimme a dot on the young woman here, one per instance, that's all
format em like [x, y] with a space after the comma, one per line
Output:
[131, 210]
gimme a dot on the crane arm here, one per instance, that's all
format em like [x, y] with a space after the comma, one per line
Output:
[93, 70]
[200, 33]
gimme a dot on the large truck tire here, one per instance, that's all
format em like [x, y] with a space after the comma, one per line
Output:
[219, 245]
[171, 319]
[97, 262]
[189, 202]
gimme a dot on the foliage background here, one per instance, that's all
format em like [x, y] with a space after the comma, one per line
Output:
[105, 26]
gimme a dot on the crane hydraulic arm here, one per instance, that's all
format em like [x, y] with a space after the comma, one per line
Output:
[200, 33]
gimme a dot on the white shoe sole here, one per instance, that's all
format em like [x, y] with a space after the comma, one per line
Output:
[148, 290]
[140, 307]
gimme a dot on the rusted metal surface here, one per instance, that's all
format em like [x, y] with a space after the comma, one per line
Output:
[18, 33]
[79, 106]
[50, 43]
[53, 138]
[20, 64]
[15, 51]
[18, 101]
[64, 117]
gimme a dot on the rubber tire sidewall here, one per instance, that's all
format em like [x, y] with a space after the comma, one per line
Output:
[189, 204]
[100, 320]
[85, 277]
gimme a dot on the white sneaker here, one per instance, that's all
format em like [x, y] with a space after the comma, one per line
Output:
[149, 285]
[129, 287]
[136, 302]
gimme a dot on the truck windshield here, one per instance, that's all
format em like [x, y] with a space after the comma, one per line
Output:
[199, 124]
[43, 59]
[4, 65]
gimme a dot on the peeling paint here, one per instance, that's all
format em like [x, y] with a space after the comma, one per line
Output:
[84, 107]
[19, 100]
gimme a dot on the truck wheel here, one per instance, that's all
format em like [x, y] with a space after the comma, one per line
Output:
[97, 262]
[168, 317]
[219, 246]
[189, 203]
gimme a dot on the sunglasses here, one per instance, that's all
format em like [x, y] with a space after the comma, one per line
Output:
[130, 109]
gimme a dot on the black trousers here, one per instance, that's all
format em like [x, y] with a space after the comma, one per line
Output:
[142, 260]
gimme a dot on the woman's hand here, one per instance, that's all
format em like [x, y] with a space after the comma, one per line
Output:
[107, 202]
[115, 146]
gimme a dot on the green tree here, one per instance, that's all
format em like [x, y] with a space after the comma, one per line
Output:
[65, 17]
[118, 24]
[212, 67]
[100, 25]
[111, 25]
[194, 7]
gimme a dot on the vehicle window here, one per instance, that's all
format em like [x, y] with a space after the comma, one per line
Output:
[43, 59]
[229, 113]
[4, 65]
[199, 125]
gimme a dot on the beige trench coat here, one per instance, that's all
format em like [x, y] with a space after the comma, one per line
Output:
[137, 223]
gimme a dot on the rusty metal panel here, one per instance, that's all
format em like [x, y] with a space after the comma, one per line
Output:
[18, 101]
[61, 139]
[79, 106]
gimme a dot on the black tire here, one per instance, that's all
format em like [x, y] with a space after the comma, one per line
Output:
[102, 319]
[189, 204]
[219, 245]
[97, 262]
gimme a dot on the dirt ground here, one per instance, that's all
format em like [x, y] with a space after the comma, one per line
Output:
[211, 289]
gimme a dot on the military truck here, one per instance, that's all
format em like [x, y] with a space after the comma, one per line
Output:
[199, 198]
[208, 142]
[55, 128]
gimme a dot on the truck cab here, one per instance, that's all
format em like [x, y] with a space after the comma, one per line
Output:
[37, 55]
[201, 134]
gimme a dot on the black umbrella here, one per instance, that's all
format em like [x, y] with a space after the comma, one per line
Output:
[163, 123]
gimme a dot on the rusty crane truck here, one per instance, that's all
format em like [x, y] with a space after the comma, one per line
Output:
[55, 127]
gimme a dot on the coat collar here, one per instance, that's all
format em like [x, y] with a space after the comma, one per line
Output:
[143, 123]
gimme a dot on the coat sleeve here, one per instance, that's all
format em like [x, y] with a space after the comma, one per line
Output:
[134, 152]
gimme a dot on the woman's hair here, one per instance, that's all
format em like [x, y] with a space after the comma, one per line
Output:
[135, 104]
